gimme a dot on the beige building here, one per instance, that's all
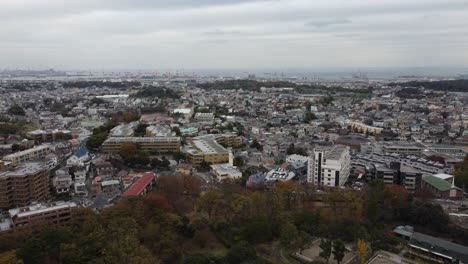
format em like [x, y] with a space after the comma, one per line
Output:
[27, 183]
[206, 148]
[35, 153]
[149, 144]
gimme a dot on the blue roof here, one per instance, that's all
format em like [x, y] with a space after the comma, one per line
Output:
[81, 152]
[258, 177]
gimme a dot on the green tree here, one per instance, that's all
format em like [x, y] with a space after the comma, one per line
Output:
[288, 234]
[241, 252]
[238, 161]
[16, 110]
[338, 250]
[325, 249]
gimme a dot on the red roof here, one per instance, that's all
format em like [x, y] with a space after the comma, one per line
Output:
[140, 185]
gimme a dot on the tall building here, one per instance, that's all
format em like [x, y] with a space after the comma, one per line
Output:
[23, 185]
[329, 166]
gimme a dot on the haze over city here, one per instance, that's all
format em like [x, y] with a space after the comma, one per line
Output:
[232, 34]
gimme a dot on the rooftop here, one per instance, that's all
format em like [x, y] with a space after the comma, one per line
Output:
[438, 183]
[141, 139]
[39, 208]
[25, 168]
[138, 187]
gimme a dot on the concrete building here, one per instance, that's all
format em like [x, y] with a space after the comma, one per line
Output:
[329, 166]
[280, 174]
[441, 188]
[150, 144]
[204, 117]
[159, 131]
[206, 148]
[31, 154]
[62, 181]
[23, 185]
[399, 174]
[124, 130]
[57, 213]
[225, 171]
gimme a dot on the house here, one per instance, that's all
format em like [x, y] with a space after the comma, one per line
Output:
[79, 158]
[62, 181]
[104, 169]
[111, 186]
[256, 179]
[184, 168]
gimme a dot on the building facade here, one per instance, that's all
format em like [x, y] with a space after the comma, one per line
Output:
[150, 144]
[329, 166]
[31, 154]
[27, 183]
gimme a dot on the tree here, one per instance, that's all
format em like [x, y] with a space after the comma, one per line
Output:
[95, 141]
[241, 252]
[338, 250]
[362, 250]
[325, 249]
[209, 202]
[238, 161]
[288, 234]
[128, 150]
[16, 110]
[256, 144]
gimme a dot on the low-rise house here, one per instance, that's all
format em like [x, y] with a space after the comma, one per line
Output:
[104, 169]
[79, 158]
[111, 186]
[184, 168]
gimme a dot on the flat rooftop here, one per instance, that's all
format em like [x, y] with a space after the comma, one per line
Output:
[141, 139]
[25, 168]
[209, 146]
[39, 208]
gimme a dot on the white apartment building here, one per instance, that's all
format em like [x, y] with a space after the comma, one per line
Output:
[38, 152]
[329, 166]
[204, 117]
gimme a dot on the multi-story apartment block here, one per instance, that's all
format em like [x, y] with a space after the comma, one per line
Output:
[399, 174]
[206, 148]
[57, 213]
[150, 144]
[329, 166]
[23, 185]
[204, 117]
[35, 153]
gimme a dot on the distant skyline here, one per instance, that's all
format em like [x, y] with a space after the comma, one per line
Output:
[232, 34]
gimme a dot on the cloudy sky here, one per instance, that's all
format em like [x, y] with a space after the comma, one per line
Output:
[210, 34]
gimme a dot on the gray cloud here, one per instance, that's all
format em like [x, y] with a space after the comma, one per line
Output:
[232, 33]
[327, 22]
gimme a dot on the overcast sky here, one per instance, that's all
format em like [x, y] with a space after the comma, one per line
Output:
[210, 34]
